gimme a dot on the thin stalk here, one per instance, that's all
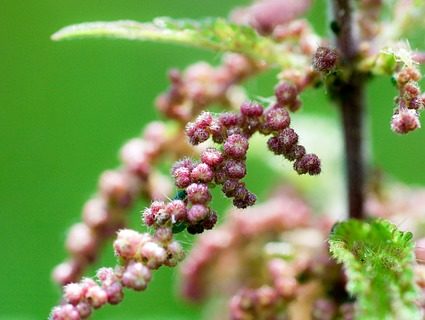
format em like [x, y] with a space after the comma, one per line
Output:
[350, 98]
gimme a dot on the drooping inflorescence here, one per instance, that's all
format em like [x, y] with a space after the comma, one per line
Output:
[409, 102]
[270, 261]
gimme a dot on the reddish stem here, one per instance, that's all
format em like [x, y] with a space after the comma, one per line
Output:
[350, 97]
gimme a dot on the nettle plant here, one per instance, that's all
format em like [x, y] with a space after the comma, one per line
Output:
[280, 259]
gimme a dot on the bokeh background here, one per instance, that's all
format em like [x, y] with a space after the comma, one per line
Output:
[65, 108]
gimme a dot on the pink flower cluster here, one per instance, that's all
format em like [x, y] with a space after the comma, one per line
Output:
[139, 253]
[409, 102]
[105, 213]
[233, 130]
[232, 243]
[292, 274]
[201, 85]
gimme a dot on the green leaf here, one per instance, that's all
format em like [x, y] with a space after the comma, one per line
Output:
[379, 261]
[213, 33]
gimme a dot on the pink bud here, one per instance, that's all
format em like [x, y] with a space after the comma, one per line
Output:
[177, 210]
[277, 118]
[250, 109]
[81, 240]
[236, 146]
[96, 296]
[405, 120]
[95, 213]
[153, 254]
[211, 157]
[202, 173]
[197, 212]
[136, 276]
[73, 293]
[286, 94]
[198, 193]
[175, 254]
[325, 59]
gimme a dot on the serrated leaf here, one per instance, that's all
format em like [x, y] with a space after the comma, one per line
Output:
[378, 260]
[214, 33]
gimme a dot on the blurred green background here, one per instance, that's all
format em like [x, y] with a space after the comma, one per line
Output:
[65, 108]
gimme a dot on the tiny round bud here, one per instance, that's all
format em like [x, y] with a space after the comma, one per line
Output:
[210, 221]
[182, 177]
[228, 119]
[229, 187]
[163, 235]
[197, 136]
[296, 152]
[309, 163]
[183, 163]
[286, 94]
[73, 293]
[175, 254]
[65, 312]
[235, 169]
[177, 210]
[81, 240]
[275, 145]
[220, 177]
[277, 118]
[250, 109]
[416, 103]
[287, 138]
[136, 276]
[136, 154]
[197, 212]
[236, 146]
[404, 121]
[66, 272]
[411, 91]
[198, 193]
[95, 213]
[212, 157]
[117, 187]
[325, 59]
[96, 296]
[217, 131]
[204, 120]
[128, 242]
[202, 173]
[84, 309]
[153, 254]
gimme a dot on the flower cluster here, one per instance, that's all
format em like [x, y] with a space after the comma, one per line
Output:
[139, 254]
[409, 102]
[118, 189]
[201, 85]
[292, 270]
[265, 16]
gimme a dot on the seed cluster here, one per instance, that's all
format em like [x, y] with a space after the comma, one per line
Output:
[105, 213]
[139, 253]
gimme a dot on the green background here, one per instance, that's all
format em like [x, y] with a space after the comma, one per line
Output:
[65, 108]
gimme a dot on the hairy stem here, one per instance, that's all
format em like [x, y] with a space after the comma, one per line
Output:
[350, 97]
